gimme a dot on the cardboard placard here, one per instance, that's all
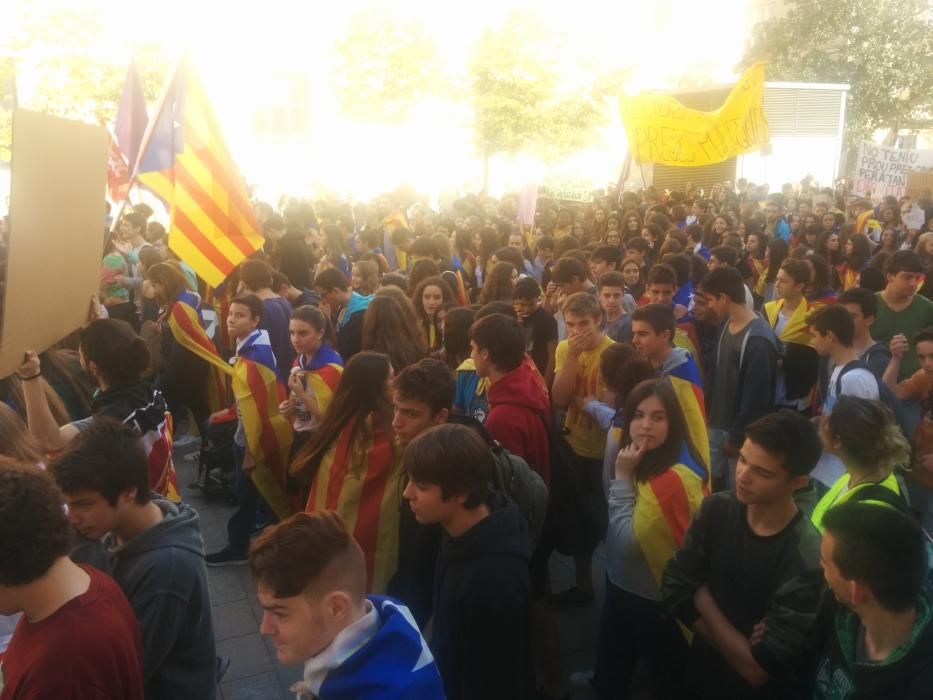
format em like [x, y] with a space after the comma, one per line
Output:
[59, 178]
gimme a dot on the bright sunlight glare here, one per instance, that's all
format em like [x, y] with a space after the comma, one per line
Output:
[251, 58]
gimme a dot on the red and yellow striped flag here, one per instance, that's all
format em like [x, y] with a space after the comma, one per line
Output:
[360, 478]
[185, 324]
[185, 162]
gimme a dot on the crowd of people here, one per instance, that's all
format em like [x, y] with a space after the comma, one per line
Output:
[415, 409]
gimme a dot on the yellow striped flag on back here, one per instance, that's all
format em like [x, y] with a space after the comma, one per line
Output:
[185, 162]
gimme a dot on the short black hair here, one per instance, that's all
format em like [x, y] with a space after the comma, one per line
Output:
[923, 336]
[510, 255]
[503, 338]
[662, 274]
[495, 307]
[789, 435]
[527, 288]
[611, 254]
[724, 280]
[400, 235]
[611, 279]
[34, 530]
[255, 274]
[429, 381]
[252, 302]
[797, 270]
[565, 269]
[639, 244]
[109, 458]
[455, 458]
[682, 265]
[865, 299]
[904, 261]
[546, 242]
[330, 279]
[836, 319]
[694, 232]
[880, 547]
[659, 316]
[725, 254]
[423, 246]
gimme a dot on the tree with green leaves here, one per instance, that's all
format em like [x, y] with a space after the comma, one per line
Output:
[518, 99]
[385, 67]
[882, 48]
[71, 79]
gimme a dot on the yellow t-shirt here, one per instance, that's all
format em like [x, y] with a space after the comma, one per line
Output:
[585, 435]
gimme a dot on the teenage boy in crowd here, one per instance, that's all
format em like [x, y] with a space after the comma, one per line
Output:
[653, 328]
[724, 256]
[482, 619]
[243, 320]
[539, 326]
[77, 637]
[799, 365]
[608, 258]
[880, 644]
[256, 278]
[832, 333]
[862, 305]
[918, 387]
[346, 309]
[745, 366]
[311, 584]
[901, 311]
[747, 578]
[518, 400]
[577, 377]
[296, 297]
[568, 277]
[610, 289]
[156, 555]
[661, 287]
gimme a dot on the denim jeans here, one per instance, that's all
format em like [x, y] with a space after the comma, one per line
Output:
[240, 525]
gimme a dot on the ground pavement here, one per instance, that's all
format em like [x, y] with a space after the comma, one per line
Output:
[254, 673]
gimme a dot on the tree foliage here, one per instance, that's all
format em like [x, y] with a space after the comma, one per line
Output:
[385, 67]
[882, 48]
[71, 79]
[518, 99]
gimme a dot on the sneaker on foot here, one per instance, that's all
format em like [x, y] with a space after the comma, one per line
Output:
[193, 457]
[226, 557]
[573, 597]
[186, 441]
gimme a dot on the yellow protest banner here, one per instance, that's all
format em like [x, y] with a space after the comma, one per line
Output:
[661, 130]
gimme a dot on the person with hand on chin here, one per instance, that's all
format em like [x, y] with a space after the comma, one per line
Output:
[659, 479]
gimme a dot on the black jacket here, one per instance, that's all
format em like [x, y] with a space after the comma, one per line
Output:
[482, 609]
[294, 259]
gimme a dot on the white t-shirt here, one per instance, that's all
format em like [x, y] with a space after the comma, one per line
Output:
[856, 382]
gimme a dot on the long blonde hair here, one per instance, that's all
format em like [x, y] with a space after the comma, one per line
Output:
[15, 440]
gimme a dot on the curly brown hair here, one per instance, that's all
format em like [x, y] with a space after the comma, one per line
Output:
[34, 530]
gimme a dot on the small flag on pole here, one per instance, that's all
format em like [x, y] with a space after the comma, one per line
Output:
[132, 119]
[184, 161]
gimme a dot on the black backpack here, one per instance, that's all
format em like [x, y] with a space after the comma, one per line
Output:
[885, 395]
[516, 480]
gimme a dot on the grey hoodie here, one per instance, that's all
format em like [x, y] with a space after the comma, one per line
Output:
[162, 573]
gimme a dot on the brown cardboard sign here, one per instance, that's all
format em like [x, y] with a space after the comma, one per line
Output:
[59, 179]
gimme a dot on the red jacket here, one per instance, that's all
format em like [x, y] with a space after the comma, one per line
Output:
[518, 409]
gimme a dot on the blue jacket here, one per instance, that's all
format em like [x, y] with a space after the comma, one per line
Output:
[393, 663]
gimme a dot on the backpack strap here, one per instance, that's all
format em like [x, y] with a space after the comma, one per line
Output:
[880, 494]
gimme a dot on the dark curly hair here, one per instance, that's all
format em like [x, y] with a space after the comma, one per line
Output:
[34, 530]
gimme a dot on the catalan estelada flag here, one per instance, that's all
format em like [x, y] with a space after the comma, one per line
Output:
[184, 321]
[360, 478]
[322, 374]
[684, 375]
[184, 161]
[268, 433]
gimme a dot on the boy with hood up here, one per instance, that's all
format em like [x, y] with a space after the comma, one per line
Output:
[311, 579]
[155, 554]
[518, 400]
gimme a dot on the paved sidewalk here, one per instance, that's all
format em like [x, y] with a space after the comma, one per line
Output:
[254, 673]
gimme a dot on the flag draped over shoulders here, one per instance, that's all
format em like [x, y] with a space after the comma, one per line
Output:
[688, 386]
[268, 433]
[184, 161]
[359, 477]
[184, 320]
[322, 374]
[796, 329]
[664, 507]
